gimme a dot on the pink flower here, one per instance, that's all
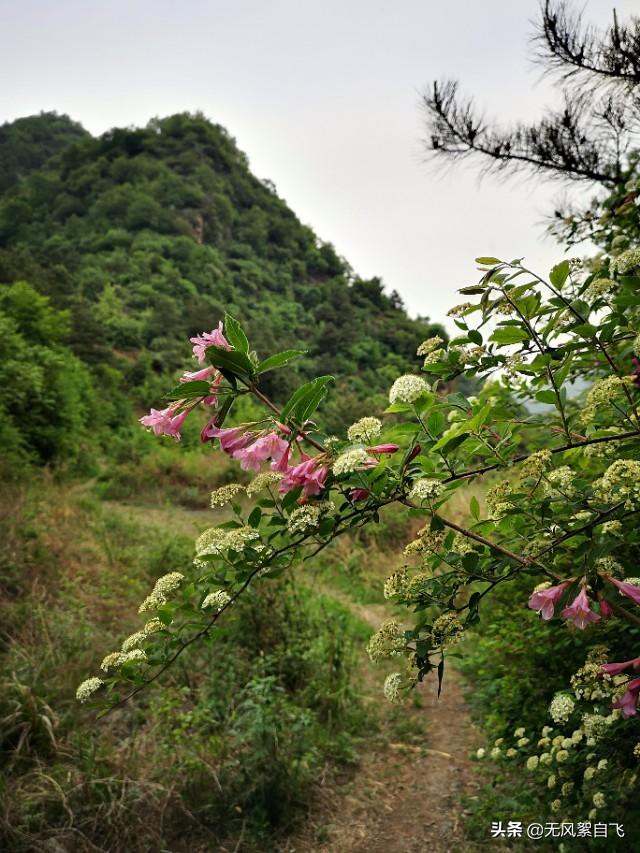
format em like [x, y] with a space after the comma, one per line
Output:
[202, 375]
[617, 668]
[197, 375]
[270, 445]
[230, 439]
[164, 422]
[545, 600]
[578, 612]
[627, 702]
[359, 495]
[207, 339]
[307, 474]
[383, 448]
[628, 589]
[606, 611]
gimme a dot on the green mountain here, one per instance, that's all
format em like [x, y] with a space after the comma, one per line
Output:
[144, 237]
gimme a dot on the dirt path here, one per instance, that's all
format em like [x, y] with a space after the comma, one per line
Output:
[403, 796]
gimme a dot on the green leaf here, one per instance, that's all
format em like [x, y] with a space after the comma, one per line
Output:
[189, 390]
[237, 363]
[509, 335]
[475, 337]
[546, 397]
[279, 359]
[436, 422]
[254, 517]
[559, 274]
[235, 335]
[306, 399]
[488, 261]
[291, 497]
[474, 507]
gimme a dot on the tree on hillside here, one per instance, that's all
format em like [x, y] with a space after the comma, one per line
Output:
[592, 137]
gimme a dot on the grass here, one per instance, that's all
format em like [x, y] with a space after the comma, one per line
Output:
[229, 744]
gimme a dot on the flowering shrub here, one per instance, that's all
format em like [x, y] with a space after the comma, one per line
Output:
[554, 426]
[584, 761]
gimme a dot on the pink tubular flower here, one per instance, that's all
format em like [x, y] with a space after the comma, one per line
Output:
[197, 375]
[307, 474]
[383, 448]
[208, 339]
[617, 668]
[164, 422]
[628, 589]
[230, 439]
[270, 445]
[545, 600]
[606, 611]
[627, 702]
[359, 495]
[579, 612]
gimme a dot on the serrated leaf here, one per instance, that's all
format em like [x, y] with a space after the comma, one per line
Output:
[234, 334]
[559, 274]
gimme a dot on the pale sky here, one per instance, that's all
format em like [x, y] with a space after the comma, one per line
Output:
[323, 97]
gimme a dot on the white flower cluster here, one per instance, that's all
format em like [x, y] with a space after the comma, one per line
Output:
[602, 392]
[263, 481]
[116, 659]
[215, 540]
[468, 354]
[304, 518]
[535, 465]
[447, 630]
[134, 640]
[386, 642]
[561, 707]
[88, 687]
[598, 288]
[364, 430]
[407, 389]
[458, 311]
[350, 460]
[429, 345]
[395, 584]
[433, 357]
[164, 585]
[426, 489]
[392, 685]
[626, 262]
[217, 599]
[559, 482]
[428, 540]
[620, 482]
[225, 494]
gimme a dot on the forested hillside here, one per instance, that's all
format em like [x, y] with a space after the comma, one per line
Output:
[144, 237]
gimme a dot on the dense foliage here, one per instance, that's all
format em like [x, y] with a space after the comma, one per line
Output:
[565, 489]
[144, 235]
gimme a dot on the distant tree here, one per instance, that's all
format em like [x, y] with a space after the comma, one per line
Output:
[592, 137]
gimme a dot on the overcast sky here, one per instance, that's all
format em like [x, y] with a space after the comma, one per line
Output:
[324, 99]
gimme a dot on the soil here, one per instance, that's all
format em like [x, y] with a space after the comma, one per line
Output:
[404, 796]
